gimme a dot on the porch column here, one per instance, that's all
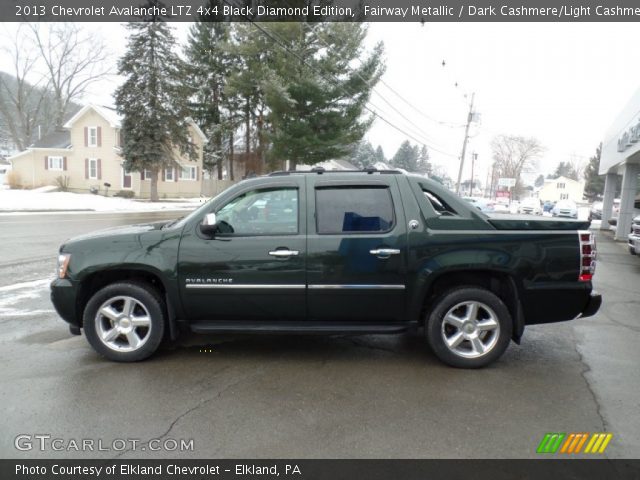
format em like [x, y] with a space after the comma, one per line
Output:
[629, 184]
[607, 200]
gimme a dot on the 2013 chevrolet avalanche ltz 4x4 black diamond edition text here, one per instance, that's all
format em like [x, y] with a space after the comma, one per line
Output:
[329, 252]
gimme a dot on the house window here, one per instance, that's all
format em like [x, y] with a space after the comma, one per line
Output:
[564, 196]
[56, 163]
[146, 175]
[560, 185]
[93, 136]
[188, 173]
[168, 174]
[93, 168]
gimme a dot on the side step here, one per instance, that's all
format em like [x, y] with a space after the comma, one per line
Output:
[298, 327]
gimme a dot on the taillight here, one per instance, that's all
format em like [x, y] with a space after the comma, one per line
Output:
[588, 253]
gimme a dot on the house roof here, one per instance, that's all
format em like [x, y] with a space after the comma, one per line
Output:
[548, 181]
[56, 139]
[109, 114]
[115, 120]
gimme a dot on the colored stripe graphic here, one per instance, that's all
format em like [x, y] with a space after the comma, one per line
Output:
[598, 443]
[551, 442]
[572, 443]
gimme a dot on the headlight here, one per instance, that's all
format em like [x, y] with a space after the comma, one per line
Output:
[63, 264]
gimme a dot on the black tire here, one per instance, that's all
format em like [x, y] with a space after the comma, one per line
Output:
[495, 312]
[632, 251]
[148, 304]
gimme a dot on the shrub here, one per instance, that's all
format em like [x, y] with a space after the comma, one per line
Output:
[63, 183]
[13, 179]
[124, 194]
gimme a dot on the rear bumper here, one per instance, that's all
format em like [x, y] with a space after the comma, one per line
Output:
[552, 303]
[63, 297]
[634, 242]
[593, 305]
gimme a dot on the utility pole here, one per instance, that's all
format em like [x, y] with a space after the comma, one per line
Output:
[474, 157]
[464, 143]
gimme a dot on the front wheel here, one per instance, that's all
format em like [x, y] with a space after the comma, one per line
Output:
[124, 321]
[469, 327]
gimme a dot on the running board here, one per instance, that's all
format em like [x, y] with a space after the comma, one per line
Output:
[298, 327]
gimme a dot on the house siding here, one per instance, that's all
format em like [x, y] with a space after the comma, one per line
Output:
[30, 165]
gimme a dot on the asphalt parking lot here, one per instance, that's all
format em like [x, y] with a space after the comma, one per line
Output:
[308, 397]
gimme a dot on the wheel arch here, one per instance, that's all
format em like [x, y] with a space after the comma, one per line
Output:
[98, 279]
[502, 283]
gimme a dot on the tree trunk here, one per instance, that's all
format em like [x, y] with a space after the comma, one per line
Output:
[153, 190]
[231, 155]
[247, 126]
[219, 167]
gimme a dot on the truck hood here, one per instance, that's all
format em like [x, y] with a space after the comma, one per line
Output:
[527, 222]
[119, 231]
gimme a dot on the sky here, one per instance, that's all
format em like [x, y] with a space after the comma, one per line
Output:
[563, 84]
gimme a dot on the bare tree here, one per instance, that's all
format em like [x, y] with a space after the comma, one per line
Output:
[22, 101]
[514, 155]
[74, 58]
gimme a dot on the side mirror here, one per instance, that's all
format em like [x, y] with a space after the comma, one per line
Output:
[209, 224]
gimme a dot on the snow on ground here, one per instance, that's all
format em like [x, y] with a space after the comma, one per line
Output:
[39, 201]
[13, 296]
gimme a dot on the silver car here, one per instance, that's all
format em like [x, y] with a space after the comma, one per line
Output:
[634, 237]
[565, 208]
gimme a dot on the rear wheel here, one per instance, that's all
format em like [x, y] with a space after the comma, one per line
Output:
[469, 327]
[125, 321]
[632, 251]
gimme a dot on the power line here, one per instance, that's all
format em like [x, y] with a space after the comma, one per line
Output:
[418, 129]
[337, 83]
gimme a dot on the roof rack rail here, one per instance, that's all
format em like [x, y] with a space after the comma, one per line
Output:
[320, 171]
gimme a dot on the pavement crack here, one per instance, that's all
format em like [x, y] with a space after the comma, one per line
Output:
[586, 369]
[189, 411]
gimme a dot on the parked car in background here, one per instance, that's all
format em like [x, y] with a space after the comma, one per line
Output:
[500, 207]
[595, 212]
[565, 208]
[531, 206]
[634, 237]
[485, 205]
[548, 206]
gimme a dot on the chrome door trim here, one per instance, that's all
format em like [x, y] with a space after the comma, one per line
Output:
[244, 286]
[356, 287]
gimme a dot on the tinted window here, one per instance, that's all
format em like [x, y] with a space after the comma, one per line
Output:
[353, 210]
[261, 212]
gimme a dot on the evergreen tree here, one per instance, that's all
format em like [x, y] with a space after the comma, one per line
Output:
[317, 96]
[209, 66]
[539, 181]
[380, 156]
[363, 155]
[423, 165]
[594, 186]
[152, 100]
[406, 157]
[565, 169]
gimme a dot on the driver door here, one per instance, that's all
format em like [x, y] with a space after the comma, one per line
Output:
[253, 267]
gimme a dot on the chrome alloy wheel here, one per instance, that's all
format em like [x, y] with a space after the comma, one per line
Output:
[470, 329]
[123, 324]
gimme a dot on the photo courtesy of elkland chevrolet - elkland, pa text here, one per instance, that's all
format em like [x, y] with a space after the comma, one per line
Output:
[319, 239]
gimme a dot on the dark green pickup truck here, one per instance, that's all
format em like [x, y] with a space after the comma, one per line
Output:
[329, 252]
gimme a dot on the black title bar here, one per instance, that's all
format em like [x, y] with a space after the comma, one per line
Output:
[321, 10]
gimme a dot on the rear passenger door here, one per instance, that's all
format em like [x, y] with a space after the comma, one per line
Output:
[356, 249]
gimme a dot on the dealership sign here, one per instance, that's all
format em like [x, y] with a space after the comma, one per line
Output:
[629, 137]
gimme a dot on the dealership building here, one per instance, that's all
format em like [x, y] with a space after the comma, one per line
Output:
[621, 157]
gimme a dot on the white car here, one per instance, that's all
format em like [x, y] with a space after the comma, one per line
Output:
[530, 206]
[565, 208]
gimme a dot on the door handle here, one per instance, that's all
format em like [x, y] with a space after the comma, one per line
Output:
[284, 253]
[384, 252]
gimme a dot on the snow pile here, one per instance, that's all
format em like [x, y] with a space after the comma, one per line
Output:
[37, 201]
